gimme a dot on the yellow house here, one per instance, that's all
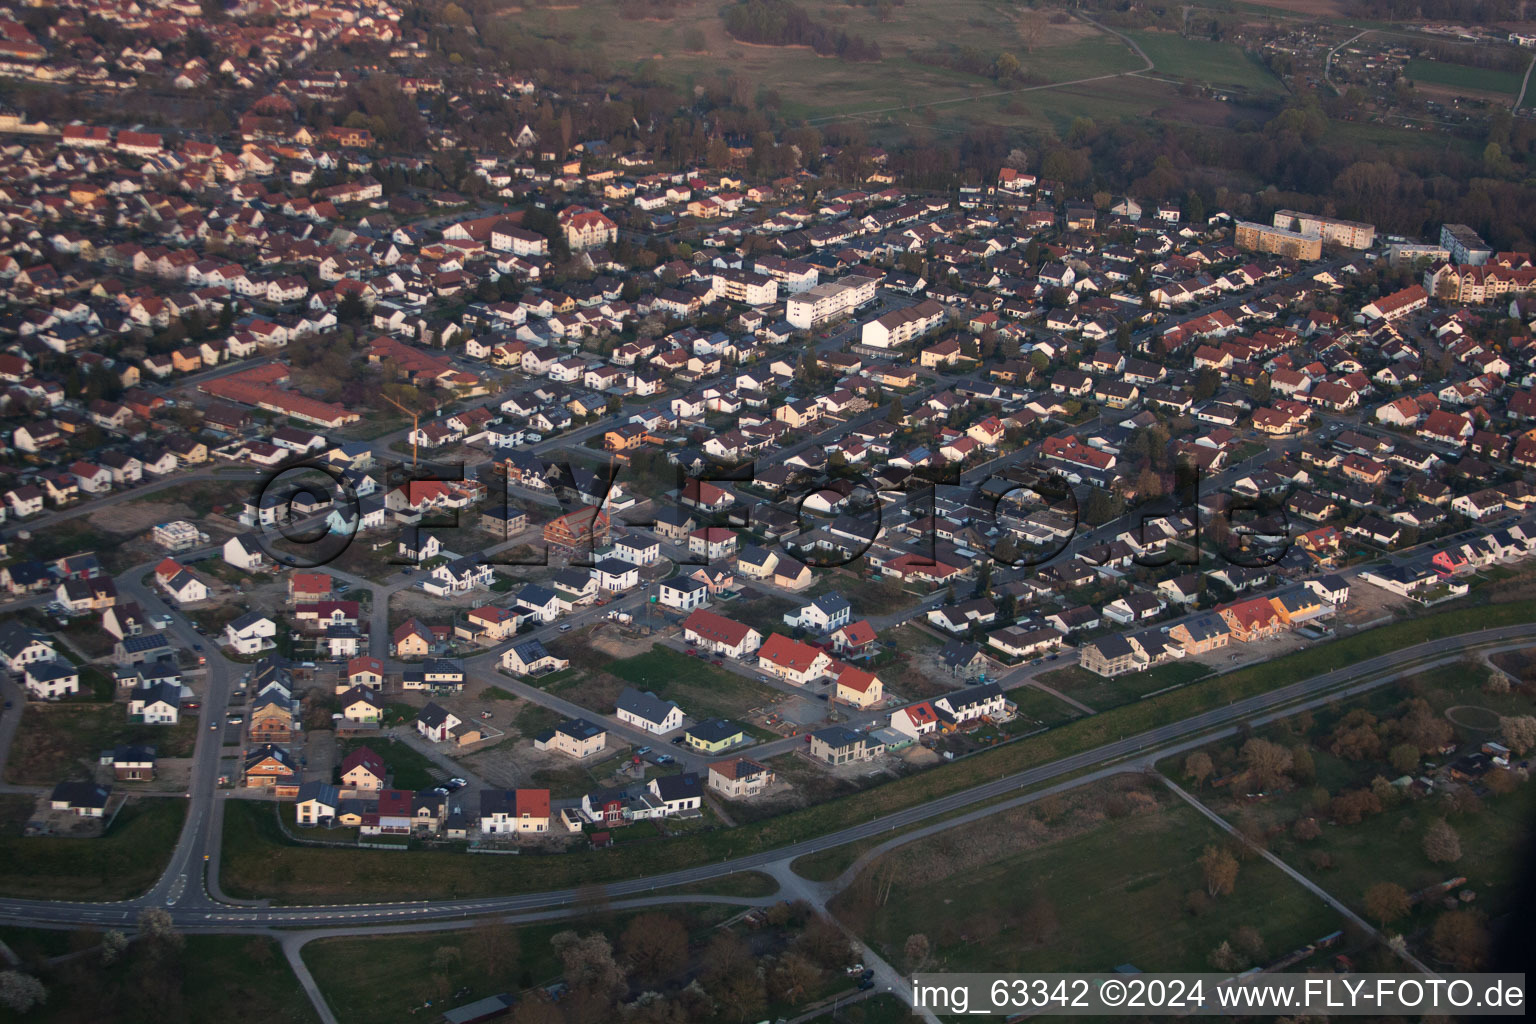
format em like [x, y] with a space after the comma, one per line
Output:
[714, 736]
[859, 688]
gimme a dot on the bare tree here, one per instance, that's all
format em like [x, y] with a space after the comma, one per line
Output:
[495, 943]
[1267, 762]
[1461, 938]
[1385, 902]
[1198, 767]
[655, 945]
[916, 951]
[1220, 870]
[1441, 843]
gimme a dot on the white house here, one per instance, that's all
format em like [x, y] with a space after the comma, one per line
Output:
[683, 593]
[648, 711]
[251, 633]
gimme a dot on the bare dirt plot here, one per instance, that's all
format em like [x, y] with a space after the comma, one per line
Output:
[917, 671]
[134, 517]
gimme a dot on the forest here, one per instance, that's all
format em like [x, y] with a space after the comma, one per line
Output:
[780, 23]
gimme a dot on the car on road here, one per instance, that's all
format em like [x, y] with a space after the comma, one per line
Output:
[214, 726]
[642, 751]
[455, 784]
[565, 628]
[197, 647]
[1052, 657]
[865, 984]
[665, 759]
[485, 714]
[678, 741]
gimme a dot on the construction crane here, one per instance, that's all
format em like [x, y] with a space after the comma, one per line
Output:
[415, 425]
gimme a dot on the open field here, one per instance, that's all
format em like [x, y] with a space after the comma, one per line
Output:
[368, 980]
[216, 973]
[1220, 65]
[699, 688]
[257, 862]
[1050, 47]
[1101, 693]
[120, 865]
[1050, 888]
[1463, 77]
[62, 741]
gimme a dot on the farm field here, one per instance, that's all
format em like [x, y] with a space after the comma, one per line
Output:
[1461, 76]
[1049, 888]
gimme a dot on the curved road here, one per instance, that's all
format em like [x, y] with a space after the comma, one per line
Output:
[192, 906]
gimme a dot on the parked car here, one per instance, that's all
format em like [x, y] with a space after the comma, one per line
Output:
[642, 751]
[665, 759]
[865, 984]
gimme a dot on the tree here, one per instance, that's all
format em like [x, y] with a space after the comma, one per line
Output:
[1198, 767]
[1441, 843]
[1267, 762]
[916, 951]
[113, 945]
[495, 942]
[1404, 758]
[1385, 902]
[1220, 870]
[1519, 732]
[791, 977]
[1225, 958]
[1306, 829]
[655, 945]
[157, 929]
[588, 962]
[21, 992]
[1460, 938]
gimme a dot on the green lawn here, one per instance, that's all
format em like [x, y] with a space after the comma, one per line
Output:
[746, 884]
[1105, 906]
[1461, 76]
[1040, 708]
[215, 976]
[1222, 65]
[699, 688]
[120, 865]
[1102, 693]
[409, 768]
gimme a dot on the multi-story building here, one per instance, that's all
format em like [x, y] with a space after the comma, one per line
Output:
[1280, 241]
[828, 301]
[902, 325]
[1351, 234]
